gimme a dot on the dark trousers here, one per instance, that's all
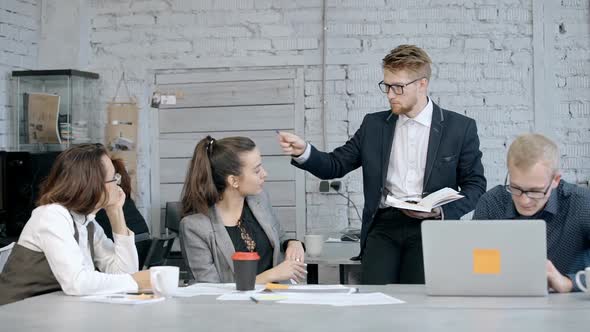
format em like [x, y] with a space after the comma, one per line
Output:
[393, 251]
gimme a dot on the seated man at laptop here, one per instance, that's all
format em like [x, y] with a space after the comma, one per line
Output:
[533, 189]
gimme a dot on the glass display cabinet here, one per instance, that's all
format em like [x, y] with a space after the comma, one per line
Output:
[54, 108]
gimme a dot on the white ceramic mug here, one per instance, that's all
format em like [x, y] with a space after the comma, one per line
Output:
[314, 245]
[586, 273]
[164, 280]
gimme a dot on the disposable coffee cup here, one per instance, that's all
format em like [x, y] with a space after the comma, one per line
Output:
[245, 268]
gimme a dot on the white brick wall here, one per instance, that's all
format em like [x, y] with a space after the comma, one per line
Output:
[571, 35]
[482, 53]
[19, 37]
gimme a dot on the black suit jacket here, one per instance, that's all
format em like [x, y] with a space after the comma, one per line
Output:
[453, 160]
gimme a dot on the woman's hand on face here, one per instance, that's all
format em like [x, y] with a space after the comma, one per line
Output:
[117, 201]
[289, 270]
[295, 251]
[114, 210]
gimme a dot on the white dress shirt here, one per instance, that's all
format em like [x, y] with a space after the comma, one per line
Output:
[407, 162]
[50, 230]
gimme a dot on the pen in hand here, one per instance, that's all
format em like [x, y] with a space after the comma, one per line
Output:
[279, 133]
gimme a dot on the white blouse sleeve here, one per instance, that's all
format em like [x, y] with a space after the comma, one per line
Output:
[117, 257]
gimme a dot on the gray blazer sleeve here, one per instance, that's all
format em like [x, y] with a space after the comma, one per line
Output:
[194, 232]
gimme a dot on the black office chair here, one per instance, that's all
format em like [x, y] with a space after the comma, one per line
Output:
[158, 251]
[173, 216]
[143, 243]
[160, 248]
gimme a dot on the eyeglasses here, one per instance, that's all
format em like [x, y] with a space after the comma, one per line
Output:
[398, 89]
[532, 194]
[116, 179]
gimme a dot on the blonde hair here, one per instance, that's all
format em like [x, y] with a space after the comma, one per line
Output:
[529, 149]
[408, 57]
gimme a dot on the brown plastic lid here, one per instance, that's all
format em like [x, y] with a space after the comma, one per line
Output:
[245, 256]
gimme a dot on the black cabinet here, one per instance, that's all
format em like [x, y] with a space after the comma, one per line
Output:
[21, 174]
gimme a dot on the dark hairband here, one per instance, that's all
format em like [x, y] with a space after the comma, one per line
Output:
[210, 145]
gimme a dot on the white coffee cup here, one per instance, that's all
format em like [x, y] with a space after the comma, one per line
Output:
[164, 280]
[586, 273]
[314, 245]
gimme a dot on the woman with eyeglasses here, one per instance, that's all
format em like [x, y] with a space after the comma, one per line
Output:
[227, 211]
[61, 247]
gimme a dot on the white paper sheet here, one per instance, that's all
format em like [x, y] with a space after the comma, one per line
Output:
[123, 298]
[239, 296]
[316, 289]
[339, 300]
[209, 289]
[291, 289]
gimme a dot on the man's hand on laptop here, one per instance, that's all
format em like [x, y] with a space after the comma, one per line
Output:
[434, 214]
[557, 281]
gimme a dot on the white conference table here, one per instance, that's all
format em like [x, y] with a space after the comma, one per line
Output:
[57, 312]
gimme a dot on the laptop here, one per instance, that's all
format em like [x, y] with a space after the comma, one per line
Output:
[485, 257]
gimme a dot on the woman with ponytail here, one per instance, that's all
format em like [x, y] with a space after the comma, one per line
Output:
[226, 210]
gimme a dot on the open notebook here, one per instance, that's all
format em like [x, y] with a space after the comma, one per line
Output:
[426, 204]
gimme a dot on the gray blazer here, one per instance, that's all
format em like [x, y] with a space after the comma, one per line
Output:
[207, 247]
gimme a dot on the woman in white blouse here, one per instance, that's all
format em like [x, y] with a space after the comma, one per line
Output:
[62, 247]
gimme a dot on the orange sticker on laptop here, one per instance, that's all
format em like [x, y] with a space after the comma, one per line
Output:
[486, 261]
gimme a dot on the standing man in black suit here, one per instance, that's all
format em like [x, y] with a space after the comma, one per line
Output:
[413, 149]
